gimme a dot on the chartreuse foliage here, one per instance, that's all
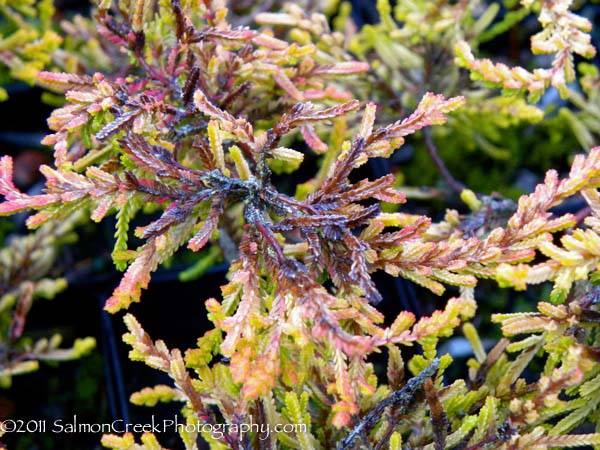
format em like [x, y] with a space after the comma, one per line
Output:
[28, 39]
[193, 131]
[420, 46]
[25, 266]
[563, 35]
[32, 40]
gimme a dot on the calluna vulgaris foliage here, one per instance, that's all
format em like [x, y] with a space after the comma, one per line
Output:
[192, 120]
[25, 267]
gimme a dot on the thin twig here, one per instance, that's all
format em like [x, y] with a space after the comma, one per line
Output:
[435, 156]
[388, 434]
[582, 214]
[401, 399]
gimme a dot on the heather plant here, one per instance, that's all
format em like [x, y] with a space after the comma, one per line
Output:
[26, 265]
[191, 138]
[33, 38]
[417, 47]
[26, 44]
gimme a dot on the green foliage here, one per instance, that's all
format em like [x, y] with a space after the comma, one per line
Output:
[32, 39]
[26, 265]
[28, 39]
